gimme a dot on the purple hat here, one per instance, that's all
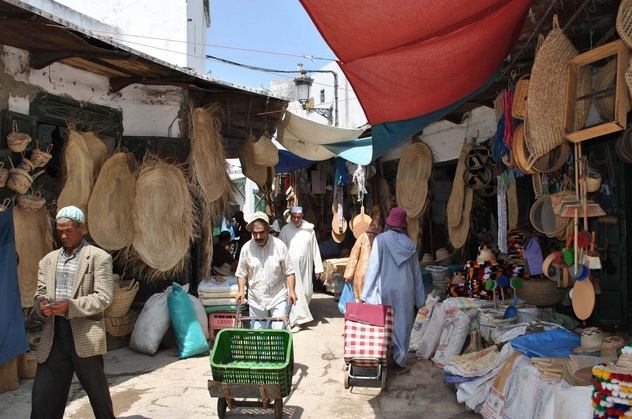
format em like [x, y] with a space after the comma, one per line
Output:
[397, 218]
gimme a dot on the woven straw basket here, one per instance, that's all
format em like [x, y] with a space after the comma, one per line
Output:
[19, 180]
[4, 175]
[624, 22]
[31, 202]
[26, 165]
[593, 181]
[122, 300]
[17, 141]
[41, 158]
[628, 77]
[265, 152]
[519, 104]
[541, 292]
[546, 100]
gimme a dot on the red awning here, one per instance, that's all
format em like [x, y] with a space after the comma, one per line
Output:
[406, 58]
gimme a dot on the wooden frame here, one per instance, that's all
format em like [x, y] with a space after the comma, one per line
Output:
[622, 52]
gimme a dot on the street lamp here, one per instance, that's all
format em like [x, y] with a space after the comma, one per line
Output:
[303, 85]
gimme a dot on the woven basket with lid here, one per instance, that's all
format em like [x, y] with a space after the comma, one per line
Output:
[19, 180]
[4, 175]
[41, 158]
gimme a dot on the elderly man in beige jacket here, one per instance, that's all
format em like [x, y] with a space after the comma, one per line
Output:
[74, 287]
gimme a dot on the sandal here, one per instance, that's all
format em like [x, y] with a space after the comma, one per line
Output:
[477, 157]
[478, 180]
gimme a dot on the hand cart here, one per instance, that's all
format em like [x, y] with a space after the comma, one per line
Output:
[367, 346]
[252, 363]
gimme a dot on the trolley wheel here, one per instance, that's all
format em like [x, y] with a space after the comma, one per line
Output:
[278, 408]
[346, 379]
[221, 407]
[383, 378]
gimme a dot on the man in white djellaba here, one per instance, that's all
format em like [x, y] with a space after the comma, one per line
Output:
[300, 239]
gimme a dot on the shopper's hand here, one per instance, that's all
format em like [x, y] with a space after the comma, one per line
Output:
[44, 307]
[240, 296]
[291, 297]
[318, 276]
[59, 307]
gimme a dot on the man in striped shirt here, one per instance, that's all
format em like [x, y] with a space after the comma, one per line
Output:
[266, 266]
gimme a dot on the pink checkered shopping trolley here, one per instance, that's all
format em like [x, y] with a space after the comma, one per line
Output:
[367, 340]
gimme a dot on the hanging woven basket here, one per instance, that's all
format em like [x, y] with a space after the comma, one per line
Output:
[4, 175]
[31, 202]
[265, 152]
[40, 158]
[17, 141]
[20, 181]
[26, 165]
[519, 104]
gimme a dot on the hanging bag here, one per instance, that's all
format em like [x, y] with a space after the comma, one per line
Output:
[347, 296]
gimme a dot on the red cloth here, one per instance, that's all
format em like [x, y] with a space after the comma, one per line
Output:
[407, 58]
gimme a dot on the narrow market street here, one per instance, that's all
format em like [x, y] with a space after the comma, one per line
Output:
[164, 387]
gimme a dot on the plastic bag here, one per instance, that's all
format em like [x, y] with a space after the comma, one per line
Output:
[189, 334]
[347, 296]
[151, 326]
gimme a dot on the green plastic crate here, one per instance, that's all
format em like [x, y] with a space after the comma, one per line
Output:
[260, 356]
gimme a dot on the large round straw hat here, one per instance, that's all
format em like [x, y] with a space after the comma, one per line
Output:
[98, 151]
[111, 202]
[427, 259]
[546, 99]
[33, 241]
[455, 201]
[265, 152]
[413, 173]
[163, 217]
[458, 235]
[544, 219]
[78, 171]
[253, 171]
[207, 157]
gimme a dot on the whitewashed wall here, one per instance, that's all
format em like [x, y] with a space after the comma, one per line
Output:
[147, 110]
[159, 28]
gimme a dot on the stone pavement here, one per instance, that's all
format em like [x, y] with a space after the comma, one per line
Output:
[164, 387]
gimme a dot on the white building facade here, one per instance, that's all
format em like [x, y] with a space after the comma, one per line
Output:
[170, 30]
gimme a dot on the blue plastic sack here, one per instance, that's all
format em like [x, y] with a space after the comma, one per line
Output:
[347, 296]
[189, 334]
[556, 343]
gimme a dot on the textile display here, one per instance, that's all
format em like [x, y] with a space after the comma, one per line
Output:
[12, 333]
[211, 286]
[218, 302]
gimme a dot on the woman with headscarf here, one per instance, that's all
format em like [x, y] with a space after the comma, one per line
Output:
[359, 257]
[393, 278]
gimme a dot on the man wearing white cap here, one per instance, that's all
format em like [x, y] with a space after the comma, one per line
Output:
[266, 266]
[300, 239]
[74, 287]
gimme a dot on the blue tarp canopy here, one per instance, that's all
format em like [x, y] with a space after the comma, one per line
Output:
[289, 162]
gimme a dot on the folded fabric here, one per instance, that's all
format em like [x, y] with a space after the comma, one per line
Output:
[218, 301]
[210, 285]
[217, 309]
[228, 294]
